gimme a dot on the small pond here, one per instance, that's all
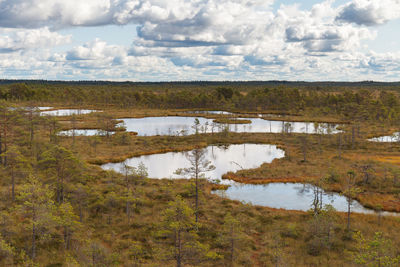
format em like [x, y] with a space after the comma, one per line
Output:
[84, 132]
[175, 125]
[30, 108]
[290, 196]
[387, 139]
[67, 112]
[214, 112]
[224, 158]
[44, 108]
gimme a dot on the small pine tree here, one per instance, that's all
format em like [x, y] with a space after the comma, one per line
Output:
[199, 166]
[376, 252]
[179, 227]
[37, 210]
[231, 237]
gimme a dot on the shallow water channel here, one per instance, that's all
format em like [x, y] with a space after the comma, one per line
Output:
[220, 112]
[175, 125]
[290, 196]
[44, 108]
[395, 137]
[66, 112]
[30, 108]
[84, 132]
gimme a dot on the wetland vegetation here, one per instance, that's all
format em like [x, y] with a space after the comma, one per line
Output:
[297, 182]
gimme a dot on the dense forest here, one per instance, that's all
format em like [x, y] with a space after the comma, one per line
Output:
[59, 208]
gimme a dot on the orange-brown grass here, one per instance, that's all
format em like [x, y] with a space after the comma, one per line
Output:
[245, 180]
[393, 157]
[100, 161]
[386, 202]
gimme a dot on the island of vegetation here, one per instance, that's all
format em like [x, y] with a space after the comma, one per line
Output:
[231, 121]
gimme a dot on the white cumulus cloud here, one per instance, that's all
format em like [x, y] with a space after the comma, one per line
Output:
[370, 12]
[196, 39]
[12, 40]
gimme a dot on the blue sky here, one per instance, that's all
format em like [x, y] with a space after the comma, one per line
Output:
[167, 40]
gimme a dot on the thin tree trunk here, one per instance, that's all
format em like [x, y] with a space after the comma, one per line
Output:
[5, 146]
[1, 150]
[320, 199]
[93, 256]
[80, 212]
[62, 190]
[232, 246]
[58, 190]
[58, 185]
[33, 235]
[348, 213]
[197, 199]
[73, 131]
[31, 130]
[66, 238]
[179, 256]
[197, 190]
[12, 185]
[128, 211]
[127, 197]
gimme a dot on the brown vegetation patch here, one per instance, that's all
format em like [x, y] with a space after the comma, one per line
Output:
[247, 180]
[232, 121]
[378, 201]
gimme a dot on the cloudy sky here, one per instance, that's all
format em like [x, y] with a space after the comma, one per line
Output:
[165, 40]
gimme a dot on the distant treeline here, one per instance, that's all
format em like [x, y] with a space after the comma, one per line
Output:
[233, 84]
[364, 103]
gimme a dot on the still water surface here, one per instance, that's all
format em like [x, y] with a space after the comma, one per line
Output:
[67, 112]
[219, 112]
[224, 158]
[291, 196]
[44, 108]
[176, 125]
[84, 132]
[388, 139]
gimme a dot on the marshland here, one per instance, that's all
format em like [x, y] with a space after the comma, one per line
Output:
[246, 174]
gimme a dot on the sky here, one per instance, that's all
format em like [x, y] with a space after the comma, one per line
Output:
[186, 40]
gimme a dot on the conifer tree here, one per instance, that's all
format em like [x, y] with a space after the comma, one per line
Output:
[179, 226]
[199, 166]
[37, 211]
